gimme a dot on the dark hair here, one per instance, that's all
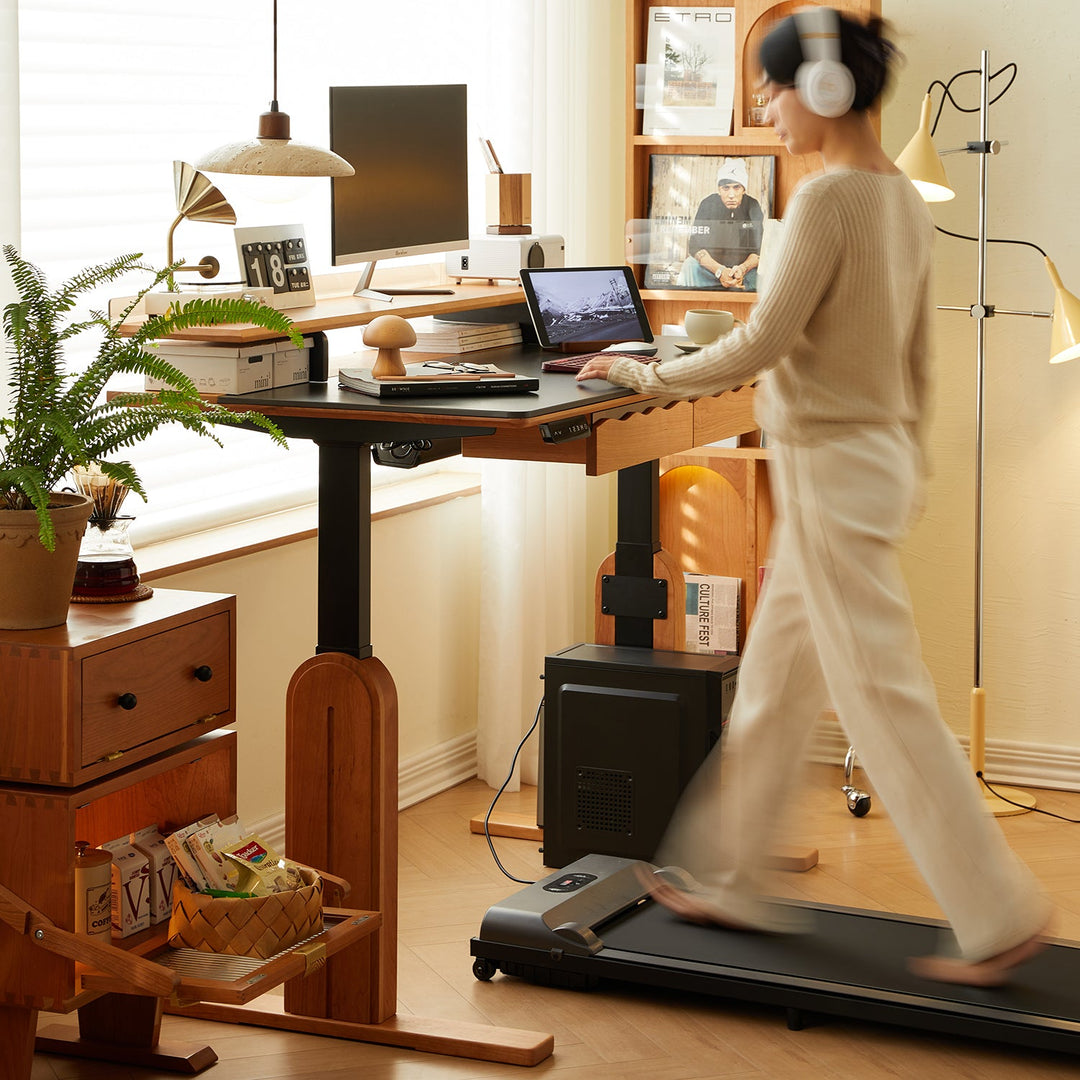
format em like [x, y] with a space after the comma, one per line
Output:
[864, 51]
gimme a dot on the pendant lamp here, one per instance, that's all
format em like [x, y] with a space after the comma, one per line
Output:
[272, 152]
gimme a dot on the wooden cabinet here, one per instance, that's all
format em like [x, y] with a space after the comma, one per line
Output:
[753, 19]
[41, 825]
[102, 734]
[115, 684]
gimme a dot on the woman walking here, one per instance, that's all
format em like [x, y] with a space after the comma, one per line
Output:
[839, 342]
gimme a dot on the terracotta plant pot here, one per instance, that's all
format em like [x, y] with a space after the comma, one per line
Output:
[36, 583]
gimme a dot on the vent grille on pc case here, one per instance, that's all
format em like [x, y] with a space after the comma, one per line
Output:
[605, 800]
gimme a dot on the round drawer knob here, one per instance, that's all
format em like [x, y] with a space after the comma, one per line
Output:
[204, 673]
[127, 701]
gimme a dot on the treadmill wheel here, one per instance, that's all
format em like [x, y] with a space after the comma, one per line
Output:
[483, 968]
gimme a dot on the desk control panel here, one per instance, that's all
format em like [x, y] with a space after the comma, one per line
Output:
[559, 431]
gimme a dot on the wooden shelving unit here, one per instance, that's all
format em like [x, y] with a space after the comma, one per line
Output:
[715, 507]
[753, 19]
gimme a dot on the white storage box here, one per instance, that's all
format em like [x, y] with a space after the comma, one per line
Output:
[130, 888]
[712, 613]
[220, 369]
[162, 870]
[291, 363]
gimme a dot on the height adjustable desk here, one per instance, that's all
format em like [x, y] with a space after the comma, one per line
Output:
[341, 792]
[341, 710]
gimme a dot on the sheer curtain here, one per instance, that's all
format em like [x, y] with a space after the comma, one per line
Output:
[536, 592]
[9, 157]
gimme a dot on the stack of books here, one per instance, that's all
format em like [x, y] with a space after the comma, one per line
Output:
[443, 336]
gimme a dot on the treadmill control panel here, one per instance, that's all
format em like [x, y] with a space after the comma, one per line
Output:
[570, 883]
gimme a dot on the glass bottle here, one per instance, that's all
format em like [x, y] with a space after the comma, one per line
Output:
[756, 113]
[106, 565]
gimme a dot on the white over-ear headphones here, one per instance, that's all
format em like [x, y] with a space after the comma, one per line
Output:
[825, 86]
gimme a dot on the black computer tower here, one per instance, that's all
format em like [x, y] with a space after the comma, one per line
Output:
[624, 730]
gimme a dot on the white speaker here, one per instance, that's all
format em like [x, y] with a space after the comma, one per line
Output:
[825, 86]
[493, 257]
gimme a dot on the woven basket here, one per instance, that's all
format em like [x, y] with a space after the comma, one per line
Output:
[246, 926]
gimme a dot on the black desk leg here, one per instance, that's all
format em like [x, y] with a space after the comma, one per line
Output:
[344, 612]
[638, 598]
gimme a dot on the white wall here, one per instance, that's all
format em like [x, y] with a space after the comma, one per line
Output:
[1032, 410]
[424, 628]
[1032, 419]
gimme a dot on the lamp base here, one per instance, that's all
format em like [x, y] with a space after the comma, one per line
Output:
[995, 805]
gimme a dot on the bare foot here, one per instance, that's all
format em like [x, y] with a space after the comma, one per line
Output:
[994, 971]
[687, 905]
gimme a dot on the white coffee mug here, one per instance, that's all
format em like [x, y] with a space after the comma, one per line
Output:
[704, 325]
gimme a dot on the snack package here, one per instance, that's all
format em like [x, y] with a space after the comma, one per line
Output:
[261, 869]
[206, 844]
[181, 852]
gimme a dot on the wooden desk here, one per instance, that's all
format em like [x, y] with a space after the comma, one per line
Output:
[341, 715]
[341, 711]
[337, 310]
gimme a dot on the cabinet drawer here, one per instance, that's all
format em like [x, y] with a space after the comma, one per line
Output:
[139, 692]
[114, 685]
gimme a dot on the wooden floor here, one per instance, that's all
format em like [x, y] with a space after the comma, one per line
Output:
[448, 880]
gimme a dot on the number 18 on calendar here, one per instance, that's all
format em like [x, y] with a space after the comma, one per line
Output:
[275, 257]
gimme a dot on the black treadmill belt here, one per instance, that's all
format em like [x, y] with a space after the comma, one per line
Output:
[850, 954]
[591, 921]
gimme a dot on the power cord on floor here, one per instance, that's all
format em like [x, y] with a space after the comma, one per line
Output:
[1034, 809]
[509, 776]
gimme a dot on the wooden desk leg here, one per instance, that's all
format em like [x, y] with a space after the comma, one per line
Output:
[17, 1027]
[124, 1029]
[341, 796]
[341, 814]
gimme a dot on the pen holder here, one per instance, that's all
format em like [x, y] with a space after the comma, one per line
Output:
[509, 203]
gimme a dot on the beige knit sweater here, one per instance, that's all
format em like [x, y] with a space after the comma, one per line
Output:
[842, 329]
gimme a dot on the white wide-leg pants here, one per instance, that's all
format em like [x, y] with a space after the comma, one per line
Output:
[835, 626]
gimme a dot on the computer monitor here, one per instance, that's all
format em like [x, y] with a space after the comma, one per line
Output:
[409, 194]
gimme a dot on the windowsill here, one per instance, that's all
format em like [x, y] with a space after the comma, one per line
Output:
[156, 561]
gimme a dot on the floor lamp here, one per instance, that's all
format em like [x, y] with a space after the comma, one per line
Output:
[923, 165]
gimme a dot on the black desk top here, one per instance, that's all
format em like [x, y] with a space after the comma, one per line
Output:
[558, 392]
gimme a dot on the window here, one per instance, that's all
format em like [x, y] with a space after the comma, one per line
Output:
[111, 93]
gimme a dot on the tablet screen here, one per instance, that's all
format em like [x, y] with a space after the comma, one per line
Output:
[598, 304]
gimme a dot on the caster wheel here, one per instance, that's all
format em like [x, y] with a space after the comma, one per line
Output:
[483, 969]
[859, 803]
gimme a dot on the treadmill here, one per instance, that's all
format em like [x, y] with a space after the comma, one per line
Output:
[592, 921]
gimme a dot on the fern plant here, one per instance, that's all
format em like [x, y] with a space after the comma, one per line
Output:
[59, 418]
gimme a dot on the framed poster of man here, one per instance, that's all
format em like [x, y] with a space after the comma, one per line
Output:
[706, 214]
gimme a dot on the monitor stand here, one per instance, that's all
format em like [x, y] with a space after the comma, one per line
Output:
[365, 291]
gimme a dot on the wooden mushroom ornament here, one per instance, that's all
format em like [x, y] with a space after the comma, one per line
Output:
[389, 334]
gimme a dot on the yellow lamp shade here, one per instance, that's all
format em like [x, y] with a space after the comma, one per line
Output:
[1065, 331]
[920, 161]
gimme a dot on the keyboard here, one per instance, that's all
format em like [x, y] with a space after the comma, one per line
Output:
[573, 364]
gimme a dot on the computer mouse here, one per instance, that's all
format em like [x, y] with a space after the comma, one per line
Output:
[642, 348]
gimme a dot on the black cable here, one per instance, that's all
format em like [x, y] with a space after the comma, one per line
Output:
[509, 776]
[947, 87]
[1034, 809]
[989, 240]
